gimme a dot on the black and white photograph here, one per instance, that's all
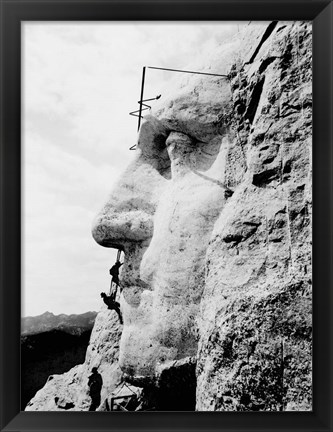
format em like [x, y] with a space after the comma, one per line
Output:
[166, 216]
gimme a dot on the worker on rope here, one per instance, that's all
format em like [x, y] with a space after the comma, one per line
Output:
[114, 272]
[112, 305]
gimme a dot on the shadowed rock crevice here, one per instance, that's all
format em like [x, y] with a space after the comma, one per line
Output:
[265, 63]
[265, 36]
[176, 387]
[262, 178]
[254, 100]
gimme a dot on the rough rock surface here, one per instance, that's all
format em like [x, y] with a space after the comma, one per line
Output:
[71, 388]
[255, 332]
[214, 218]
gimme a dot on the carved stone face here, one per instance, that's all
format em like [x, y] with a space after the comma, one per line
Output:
[161, 214]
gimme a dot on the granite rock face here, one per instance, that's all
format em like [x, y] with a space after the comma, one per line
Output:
[162, 214]
[214, 218]
[255, 331]
[221, 248]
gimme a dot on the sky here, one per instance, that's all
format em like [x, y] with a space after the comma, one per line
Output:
[79, 83]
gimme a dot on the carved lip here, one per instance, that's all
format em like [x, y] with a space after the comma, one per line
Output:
[110, 244]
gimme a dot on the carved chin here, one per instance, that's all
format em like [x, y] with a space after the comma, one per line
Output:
[154, 333]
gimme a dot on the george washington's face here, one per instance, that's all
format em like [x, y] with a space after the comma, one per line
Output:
[161, 214]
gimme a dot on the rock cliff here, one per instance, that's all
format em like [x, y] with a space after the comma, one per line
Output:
[214, 218]
[69, 391]
[255, 332]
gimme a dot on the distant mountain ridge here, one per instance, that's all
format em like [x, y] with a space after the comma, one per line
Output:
[74, 324]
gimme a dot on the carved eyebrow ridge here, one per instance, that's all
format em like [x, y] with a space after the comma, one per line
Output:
[140, 102]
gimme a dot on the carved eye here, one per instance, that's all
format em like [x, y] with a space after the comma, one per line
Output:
[206, 154]
[162, 159]
[152, 143]
[189, 154]
[179, 146]
[160, 142]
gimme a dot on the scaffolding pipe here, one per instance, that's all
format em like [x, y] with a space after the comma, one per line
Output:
[185, 71]
[141, 98]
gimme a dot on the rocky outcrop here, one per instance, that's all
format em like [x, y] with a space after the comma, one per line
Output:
[69, 391]
[214, 218]
[49, 353]
[255, 332]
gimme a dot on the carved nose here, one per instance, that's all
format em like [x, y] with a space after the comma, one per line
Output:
[115, 229]
[127, 215]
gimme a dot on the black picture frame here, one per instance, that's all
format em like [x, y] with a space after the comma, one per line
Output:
[13, 12]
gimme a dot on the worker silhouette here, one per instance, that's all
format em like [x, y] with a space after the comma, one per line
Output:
[95, 384]
[112, 305]
[114, 272]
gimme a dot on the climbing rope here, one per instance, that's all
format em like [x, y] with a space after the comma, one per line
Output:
[118, 255]
[113, 277]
